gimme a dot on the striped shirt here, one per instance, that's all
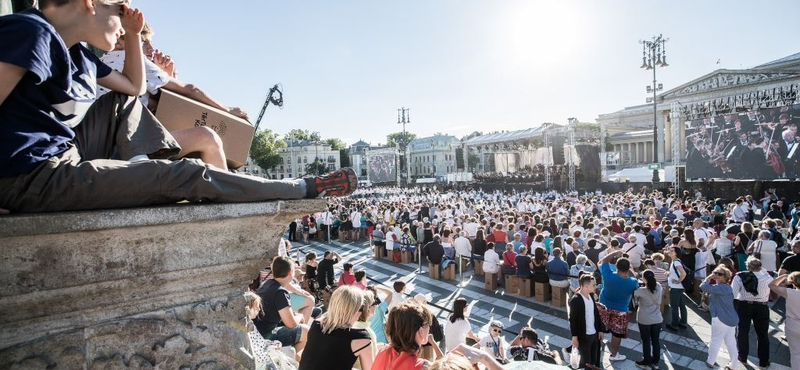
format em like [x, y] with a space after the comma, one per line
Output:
[764, 278]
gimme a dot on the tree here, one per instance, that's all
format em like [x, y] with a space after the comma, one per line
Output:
[317, 167]
[336, 143]
[300, 134]
[264, 149]
[393, 139]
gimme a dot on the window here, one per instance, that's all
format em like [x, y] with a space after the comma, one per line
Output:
[331, 167]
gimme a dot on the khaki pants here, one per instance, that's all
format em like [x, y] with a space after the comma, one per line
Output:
[117, 126]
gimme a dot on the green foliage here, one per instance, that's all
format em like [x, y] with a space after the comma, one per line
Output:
[265, 147]
[316, 168]
[300, 134]
[336, 143]
[393, 139]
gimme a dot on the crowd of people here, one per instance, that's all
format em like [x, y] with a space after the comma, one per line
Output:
[656, 249]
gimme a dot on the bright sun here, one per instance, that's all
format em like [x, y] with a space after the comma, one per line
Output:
[538, 34]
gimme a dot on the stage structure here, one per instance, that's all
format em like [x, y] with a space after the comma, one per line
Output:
[758, 144]
[382, 165]
[676, 121]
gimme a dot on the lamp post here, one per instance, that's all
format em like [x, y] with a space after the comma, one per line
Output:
[654, 55]
[403, 118]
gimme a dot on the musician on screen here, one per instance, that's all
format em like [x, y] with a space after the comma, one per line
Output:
[787, 149]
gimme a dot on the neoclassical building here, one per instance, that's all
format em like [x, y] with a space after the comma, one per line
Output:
[722, 91]
[433, 156]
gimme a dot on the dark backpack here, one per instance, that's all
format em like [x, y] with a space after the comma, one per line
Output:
[436, 330]
[688, 280]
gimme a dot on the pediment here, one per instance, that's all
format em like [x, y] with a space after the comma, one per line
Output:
[725, 79]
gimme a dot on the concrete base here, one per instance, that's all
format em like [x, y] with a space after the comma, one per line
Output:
[156, 287]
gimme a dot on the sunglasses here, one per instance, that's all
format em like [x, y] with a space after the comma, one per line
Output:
[719, 274]
[497, 331]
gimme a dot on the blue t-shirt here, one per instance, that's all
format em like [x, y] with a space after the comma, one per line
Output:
[376, 322]
[617, 290]
[517, 244]
[60, 84]
[523, 266]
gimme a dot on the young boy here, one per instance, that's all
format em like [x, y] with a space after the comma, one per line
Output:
[399, 294]
[56, 141]
[494, 343]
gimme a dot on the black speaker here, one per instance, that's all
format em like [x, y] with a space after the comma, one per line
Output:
[558, 149]
[460, 158]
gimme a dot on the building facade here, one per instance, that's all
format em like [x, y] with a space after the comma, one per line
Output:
[250, 167]
[358, 158]
[723, 91]
[433, 156]
[298, 154]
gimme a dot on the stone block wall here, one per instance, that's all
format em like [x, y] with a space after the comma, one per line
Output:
[145, 288]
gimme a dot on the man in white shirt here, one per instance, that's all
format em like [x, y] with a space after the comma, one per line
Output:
[462, 245]
[700, 233]
[640, 238]
[753, 308]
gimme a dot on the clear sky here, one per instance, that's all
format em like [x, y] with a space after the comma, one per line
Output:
[460, 65]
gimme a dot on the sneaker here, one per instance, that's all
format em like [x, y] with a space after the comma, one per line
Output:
[642, 364]
[654, 366]
[335, 184]
[565, 355]
[618, 357]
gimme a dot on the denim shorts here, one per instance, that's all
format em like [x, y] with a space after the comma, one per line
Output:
[287, 336]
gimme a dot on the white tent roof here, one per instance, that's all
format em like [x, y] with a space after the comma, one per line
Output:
[643, 174]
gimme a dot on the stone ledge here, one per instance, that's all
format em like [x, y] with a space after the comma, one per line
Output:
[69, 276]
[53, 223]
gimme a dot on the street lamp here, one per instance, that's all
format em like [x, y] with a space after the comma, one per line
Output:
[404, 117]
[654, 55]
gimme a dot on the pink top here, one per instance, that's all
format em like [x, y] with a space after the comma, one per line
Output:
[389, 359]
[347, 278]
[509, 258]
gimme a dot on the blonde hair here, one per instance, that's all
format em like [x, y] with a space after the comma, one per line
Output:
[253, 307]
[147, 33]
[346, 301]
[369, 300]
[451, 361]
[794, 278]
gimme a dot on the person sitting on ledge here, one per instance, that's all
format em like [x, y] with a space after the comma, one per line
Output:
[202, 140]
[61, 150]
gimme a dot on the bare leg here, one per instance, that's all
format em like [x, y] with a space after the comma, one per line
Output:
[615, 341]
[308, 307]
[203, 140]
